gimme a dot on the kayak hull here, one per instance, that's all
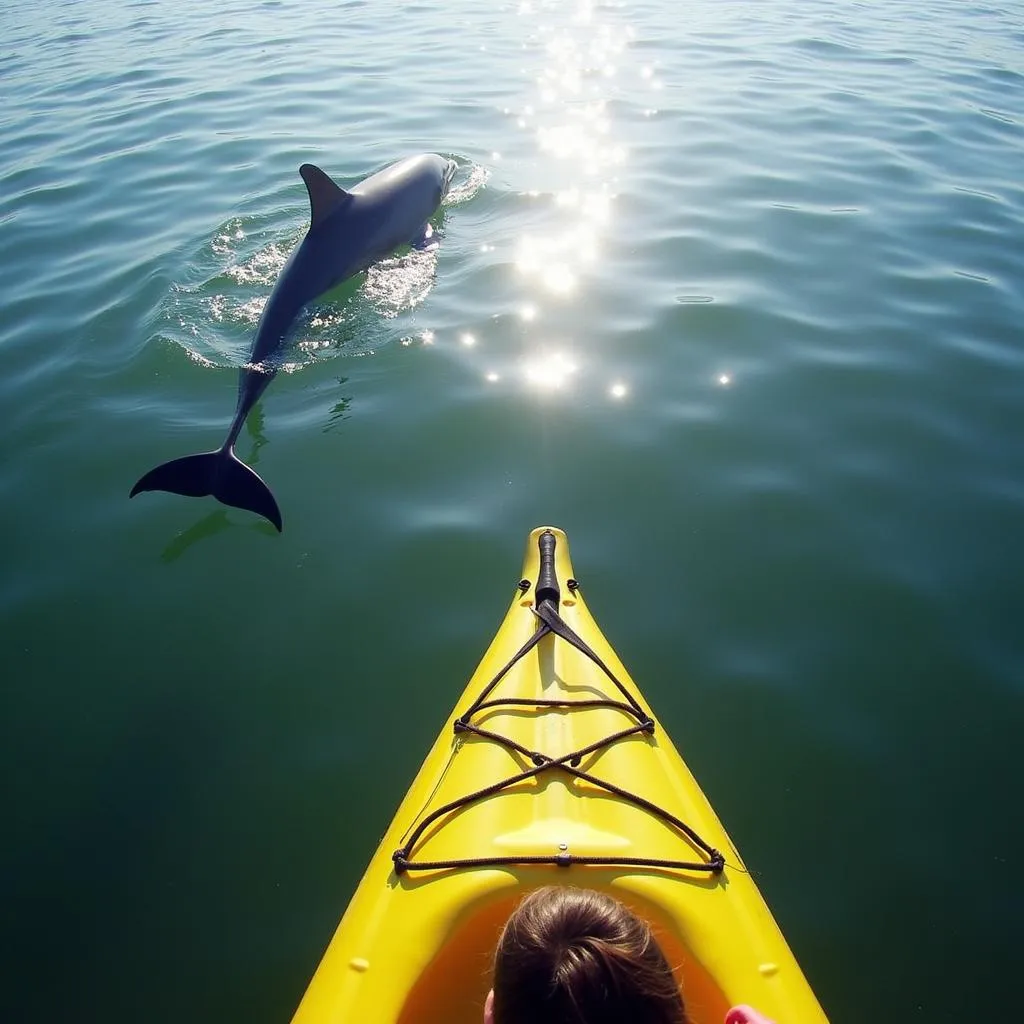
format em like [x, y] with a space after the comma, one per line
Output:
[415, 943]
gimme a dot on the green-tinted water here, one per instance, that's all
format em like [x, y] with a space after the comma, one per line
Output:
[730, 291]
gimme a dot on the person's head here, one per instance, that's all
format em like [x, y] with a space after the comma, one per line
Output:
[573, 956]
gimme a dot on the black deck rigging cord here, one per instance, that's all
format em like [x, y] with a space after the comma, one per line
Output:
[547, 595]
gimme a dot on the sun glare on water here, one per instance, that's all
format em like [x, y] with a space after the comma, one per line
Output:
[549, 372]
[569, 155]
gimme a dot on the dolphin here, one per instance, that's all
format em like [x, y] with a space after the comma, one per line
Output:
[348, 231]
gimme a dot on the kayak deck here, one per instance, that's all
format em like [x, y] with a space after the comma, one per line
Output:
[551, 770]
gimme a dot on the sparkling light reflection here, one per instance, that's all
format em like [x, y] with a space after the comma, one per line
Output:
[549, 372]
[568, 113]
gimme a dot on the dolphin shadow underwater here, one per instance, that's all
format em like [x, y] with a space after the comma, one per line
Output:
[348, 231]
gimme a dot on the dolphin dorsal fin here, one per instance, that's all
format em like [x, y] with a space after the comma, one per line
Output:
[324, 195]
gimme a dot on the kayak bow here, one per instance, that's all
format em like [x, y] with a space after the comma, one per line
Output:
[551, 769]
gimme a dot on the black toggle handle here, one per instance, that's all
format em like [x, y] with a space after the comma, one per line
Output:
[547, 581]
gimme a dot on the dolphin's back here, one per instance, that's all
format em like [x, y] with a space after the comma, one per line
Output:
[357, 233]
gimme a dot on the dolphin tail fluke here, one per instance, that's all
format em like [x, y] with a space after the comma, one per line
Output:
[238, 485]
[220, 473]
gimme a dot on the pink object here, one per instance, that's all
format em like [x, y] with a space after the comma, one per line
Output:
[746, 1015]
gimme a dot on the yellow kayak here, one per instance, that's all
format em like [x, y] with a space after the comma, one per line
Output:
[552, 769]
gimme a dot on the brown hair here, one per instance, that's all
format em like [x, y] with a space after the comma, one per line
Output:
[574, 956]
